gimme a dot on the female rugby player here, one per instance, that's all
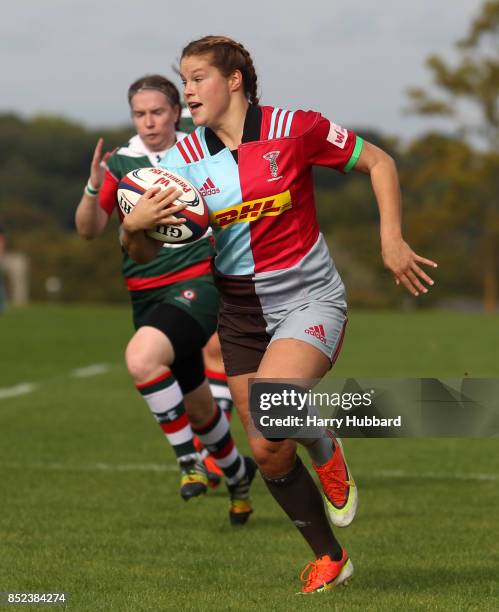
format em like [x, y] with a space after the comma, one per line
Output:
[277, 280]
[175, 305]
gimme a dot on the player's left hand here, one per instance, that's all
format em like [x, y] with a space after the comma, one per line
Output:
[96, 167]
[403, 262]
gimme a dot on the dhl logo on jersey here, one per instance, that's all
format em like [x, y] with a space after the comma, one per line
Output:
[253, 210]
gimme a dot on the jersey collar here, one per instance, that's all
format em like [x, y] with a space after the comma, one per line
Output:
[137, 147]
[251, 131]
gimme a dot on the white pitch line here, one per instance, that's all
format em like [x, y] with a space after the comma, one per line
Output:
[92, 370]
[21, 389]
[28, 387]
[434, 475]
[160, 467]
[91, 467]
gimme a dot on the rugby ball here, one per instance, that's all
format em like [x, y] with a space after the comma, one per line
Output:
[138, 181]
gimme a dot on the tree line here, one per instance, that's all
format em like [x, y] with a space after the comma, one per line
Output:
[450, 186]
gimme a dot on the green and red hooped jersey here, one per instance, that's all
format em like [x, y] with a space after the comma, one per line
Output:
[269, 247]
[174, 263]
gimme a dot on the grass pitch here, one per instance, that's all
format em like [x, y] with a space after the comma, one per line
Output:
[89, 490]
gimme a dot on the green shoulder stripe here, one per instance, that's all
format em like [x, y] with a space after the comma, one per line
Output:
[355, 155]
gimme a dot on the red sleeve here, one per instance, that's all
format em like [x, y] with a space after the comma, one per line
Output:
[107, 193]
[325, 143]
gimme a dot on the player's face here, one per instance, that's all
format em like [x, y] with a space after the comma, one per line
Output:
[154, 119]
[207, 91]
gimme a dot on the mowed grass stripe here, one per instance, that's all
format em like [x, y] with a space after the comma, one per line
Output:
[16, 390]
[124, 540]
[152, 467]
[25, 388]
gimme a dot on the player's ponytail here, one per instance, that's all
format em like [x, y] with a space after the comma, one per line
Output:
[227, 55]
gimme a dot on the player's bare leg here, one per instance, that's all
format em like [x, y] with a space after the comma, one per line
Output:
[149, 357]
[287, 479]
[295, 359]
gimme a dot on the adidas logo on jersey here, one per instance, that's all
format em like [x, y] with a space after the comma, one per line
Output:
[318, 332]
[208, 188]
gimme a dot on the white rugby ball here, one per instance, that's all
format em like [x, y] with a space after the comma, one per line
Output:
[138, 181]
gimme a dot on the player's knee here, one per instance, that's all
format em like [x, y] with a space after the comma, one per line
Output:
[273, 458]
[139, 364]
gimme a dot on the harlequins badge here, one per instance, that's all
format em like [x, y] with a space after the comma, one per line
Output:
[271, 157]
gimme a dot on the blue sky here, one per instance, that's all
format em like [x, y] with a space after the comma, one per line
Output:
[350, 60]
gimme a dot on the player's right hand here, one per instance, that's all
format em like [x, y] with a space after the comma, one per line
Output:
[405, 266]
[155, 207]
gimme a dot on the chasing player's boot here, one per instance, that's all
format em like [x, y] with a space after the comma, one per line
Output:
[213, 472]
[164, 397]
[193, 478]
[338, 486]
[221, 394]
[238, 471]
[325, 574]
[240, 504]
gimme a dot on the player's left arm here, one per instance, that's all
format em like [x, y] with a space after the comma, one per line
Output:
[397, 255]
[141, 248]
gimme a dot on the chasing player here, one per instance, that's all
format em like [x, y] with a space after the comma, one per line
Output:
[174, 305]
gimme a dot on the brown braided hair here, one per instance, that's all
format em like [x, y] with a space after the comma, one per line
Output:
[227, 55]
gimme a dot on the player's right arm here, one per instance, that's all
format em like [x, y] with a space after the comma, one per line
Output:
[90, 218]
[154, 207]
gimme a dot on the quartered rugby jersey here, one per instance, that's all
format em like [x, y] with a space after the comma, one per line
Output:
[174, 263]
[261, 200]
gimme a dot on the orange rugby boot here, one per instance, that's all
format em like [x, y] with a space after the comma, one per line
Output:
[325, 574]
[338, 486]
